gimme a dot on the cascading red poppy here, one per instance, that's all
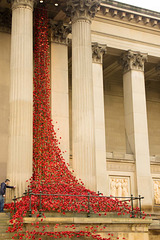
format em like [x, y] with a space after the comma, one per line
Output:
[50, 172]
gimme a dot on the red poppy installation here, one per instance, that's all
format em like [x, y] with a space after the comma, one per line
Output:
[50, 172]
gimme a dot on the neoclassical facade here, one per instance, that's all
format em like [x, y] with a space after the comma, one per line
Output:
[105, 93]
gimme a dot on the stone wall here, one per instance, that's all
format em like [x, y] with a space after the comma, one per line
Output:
[4, 101]
[114, 117]
[153, 112]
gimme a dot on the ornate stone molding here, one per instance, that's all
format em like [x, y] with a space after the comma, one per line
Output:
[23, 3]
[134, 16]
[156, 183]
[97, 52]
[119, 186]
[82, 9]
[5, 20]
[59, 32]
[131, 60]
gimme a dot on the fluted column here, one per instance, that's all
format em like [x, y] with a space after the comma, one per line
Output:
[100, 142]
[59, 85]
[83, 138]
[136, 121]
[21, 95]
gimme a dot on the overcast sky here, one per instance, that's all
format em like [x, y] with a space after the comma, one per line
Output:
[148, 4]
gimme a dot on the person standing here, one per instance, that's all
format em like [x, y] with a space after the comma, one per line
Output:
[4, 185]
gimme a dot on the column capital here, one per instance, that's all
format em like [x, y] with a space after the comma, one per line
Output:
[23, 3]
[59, 32]
[82, 9]
[97, 52]
[132, 60]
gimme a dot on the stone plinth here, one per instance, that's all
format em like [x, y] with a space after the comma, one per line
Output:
[131, 229]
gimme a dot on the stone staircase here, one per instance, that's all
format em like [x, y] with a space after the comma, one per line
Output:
[4, 223]
[155, 226]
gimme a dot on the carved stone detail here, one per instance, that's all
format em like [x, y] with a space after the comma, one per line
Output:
[5, 20]
[85, 9]
[156, 183]
[59, 32]
[97, 52]
[125, 15]
[119, 186]
[133, 61]
[24, 3]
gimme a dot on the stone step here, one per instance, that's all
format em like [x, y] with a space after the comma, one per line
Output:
[5, 235]
[6, 221]
[3, 228]
[71, 214]
[3, 214]
[4, 224]
[4, 218]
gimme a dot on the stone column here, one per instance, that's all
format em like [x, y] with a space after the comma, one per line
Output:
[21, 95]
[100, 142]
[59, 85]
[136, 121]
[83, 138]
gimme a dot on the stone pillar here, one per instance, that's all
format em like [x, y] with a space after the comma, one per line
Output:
[136, 121]
[100, 142]
[21, 95]
[59, 85]
[83, 138]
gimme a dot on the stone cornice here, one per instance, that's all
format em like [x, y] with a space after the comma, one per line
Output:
[85, 9]
[59, 32]
[97, 52]
[5, 20]
[130, 14]
[131, 60]
[129, 8]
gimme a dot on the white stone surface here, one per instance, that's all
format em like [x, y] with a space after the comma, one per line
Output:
[83, 135]
[100, 143]
[126, 36]
[137, 131]
[59, 95]
[19, 167]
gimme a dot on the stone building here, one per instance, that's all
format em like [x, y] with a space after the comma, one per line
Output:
[105, 100]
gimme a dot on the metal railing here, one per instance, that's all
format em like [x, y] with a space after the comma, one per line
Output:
[88, 201]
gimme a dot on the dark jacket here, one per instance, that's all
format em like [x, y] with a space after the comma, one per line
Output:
[3, 188]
